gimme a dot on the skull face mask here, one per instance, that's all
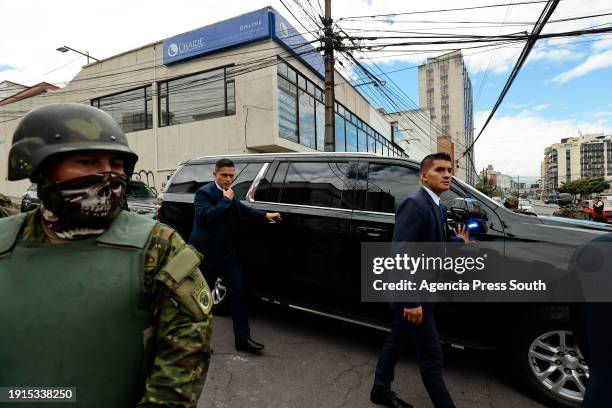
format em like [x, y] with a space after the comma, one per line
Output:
[82, 207]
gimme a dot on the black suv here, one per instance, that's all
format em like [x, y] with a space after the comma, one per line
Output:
[140, 198]
[332, 202]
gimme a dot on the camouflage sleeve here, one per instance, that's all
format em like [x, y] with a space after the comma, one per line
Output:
[181, 304]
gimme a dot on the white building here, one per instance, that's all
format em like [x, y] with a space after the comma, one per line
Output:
[588, 156]
[414, 132]
[446, 90]
[244, 85]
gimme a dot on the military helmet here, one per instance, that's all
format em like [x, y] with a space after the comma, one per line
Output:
[60, 128]
[511, 202]
[565, 199]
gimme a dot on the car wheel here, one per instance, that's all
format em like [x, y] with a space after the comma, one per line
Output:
[219, 297]
[550, 361]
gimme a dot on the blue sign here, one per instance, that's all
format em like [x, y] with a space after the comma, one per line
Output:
[224, 34]
[289, 37]
[240, 30]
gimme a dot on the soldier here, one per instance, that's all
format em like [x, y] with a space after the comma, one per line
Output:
[93, 297]
[6, 206]
[511, 203]
[568, 209]
[598, 210]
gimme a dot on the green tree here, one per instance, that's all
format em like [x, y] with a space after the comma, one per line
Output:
[585, 186]
[485, 185]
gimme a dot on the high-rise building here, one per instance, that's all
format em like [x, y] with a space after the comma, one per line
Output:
[446, 90]
[588, 156]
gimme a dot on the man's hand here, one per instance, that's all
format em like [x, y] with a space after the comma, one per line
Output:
[229, 194]
[273, 217]
[414, 315]
[463, 233]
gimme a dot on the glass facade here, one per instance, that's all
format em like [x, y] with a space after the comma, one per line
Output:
[132, 110]
[301, 115]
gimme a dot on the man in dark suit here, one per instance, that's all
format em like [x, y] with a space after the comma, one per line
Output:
[419, 218]
[215, 228]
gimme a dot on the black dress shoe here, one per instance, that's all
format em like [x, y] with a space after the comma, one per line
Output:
[388, 399]
[249, 346]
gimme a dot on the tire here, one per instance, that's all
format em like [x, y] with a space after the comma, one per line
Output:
[549, 362]
[220, 298]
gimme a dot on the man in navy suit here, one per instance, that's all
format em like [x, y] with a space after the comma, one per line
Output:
[218, 214]
[419, 218]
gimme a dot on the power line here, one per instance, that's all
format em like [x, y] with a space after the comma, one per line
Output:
[546, 13]
[443, 10]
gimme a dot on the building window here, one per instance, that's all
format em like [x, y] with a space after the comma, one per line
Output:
[196, 97]
[300, 98]
[307, 120]
[302, 118]
[287, 110]
[132, 110]
[351, 137]
[340, 134]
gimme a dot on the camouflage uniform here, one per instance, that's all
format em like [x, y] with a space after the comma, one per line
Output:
[181, 333]
[7, 208]
[183, 341]
[568, 209]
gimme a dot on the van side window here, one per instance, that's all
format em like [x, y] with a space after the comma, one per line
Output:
[243, 181]
[193, 176]
[318, 184]
[388, 185]
[270, 185]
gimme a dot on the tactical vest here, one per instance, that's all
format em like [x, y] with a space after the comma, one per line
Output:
[72, 314]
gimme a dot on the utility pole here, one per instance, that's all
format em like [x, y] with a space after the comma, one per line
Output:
[330, 122]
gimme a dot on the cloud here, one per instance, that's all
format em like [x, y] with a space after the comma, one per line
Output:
[542, 107]
[515, 144]
[594, 62]
[554, 55]
[602, 45]
[5, 67]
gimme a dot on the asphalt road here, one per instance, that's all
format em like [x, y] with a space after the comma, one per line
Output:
[311, 361]
[543, 209]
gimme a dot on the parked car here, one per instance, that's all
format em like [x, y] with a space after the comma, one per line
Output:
[333, 202]
[140, 199]
[587, 207]
[525, 204]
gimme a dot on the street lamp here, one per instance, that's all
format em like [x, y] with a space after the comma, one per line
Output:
[65, 48]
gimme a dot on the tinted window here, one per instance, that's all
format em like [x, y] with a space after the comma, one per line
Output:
[316, 184]
[388, 185]
[244, 180]
[132, 110]
[270, 185]
[193, 176]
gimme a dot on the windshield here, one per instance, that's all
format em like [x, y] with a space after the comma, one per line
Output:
[483, 197]
[139, 190]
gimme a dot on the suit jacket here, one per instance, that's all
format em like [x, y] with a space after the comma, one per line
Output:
[418, 219]
[211, 220]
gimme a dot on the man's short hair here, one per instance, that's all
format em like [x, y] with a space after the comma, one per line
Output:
[223, 163]
[427, 162]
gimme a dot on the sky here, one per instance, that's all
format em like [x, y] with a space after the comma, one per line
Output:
[563, 90]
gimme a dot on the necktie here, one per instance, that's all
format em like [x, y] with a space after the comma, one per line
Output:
[443, 219]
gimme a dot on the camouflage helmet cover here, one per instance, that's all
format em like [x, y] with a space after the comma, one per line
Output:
[511, 202]
[60, 128]
[565, 199]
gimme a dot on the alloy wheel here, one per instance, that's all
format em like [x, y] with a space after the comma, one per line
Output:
[558, 364]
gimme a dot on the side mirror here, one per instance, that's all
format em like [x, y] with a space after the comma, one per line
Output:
[470, 212]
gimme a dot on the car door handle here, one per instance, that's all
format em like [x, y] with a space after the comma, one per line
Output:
[371, 232]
